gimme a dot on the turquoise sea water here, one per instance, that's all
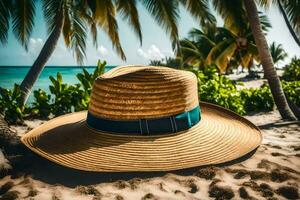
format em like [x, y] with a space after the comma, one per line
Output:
[9, 75]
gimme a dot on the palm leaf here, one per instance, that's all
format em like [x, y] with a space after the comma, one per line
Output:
[87, 16]
[232, 11]
[23, 20]
[5, 9]
[105, 16]
[245, 59]
[51, 8]
[223, 59]
[166, 14]
[292, 8]
[127, 9]
[67, 23]
[190, 53]
[221, 54]
[265, 22]
[200, 10]
[78, 36]
[277, 52]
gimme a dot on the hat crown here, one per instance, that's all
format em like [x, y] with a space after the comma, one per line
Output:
[143, 92]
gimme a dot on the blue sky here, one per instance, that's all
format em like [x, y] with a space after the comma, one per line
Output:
[156, 43]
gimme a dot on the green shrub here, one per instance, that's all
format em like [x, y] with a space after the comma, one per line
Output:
[86, 79]
[219, 90]
[11, 105]
[67, 98]
[292, 70]
[292, 91]
[257, 99]
[41, 106]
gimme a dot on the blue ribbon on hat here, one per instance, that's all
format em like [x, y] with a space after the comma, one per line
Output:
[158, 126]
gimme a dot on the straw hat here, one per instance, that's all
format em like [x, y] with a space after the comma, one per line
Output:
[144, 118]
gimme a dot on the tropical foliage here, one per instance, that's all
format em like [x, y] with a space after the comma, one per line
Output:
[227, 46]
[219, 90]
[292, 70]
[257, 99]
[72, 19]
[63, 98]
[277, 52]
[11, 105]
[169, 62]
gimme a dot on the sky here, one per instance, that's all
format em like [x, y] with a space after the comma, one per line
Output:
[156, 43]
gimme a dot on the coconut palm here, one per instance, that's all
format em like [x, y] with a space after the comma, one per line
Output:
[72, 17]
[234, 14]
[267, 61]
[222, 45]
[277, 52]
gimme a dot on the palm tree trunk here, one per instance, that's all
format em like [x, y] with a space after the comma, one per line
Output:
[287, 22]
[267, 62]
[39, 64]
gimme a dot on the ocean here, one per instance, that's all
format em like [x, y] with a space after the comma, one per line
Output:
[9, 75]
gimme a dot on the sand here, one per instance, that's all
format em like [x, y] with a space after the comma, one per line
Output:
[273, 171]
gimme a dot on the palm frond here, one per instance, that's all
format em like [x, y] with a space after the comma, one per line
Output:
[166, 14]
[74, 29]
[200, 10]
[78, 38]
[222, 53]
[5, 9]
[50, 9]
[190, 52]
[265, 22]
[266, 3]
[232, 11]
[23, 20]
[292, 8]
[105, 16]
[128, 10]
[87, 16]
[204, 40]
[67, 23]
[277, 52]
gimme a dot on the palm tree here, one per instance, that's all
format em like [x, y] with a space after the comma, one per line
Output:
[267, 62]
[277, 52]
[71, 18]
[222, 45]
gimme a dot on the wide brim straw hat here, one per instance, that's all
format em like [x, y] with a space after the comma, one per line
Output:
[144, 118]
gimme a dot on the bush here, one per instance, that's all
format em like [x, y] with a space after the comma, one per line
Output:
[292, 70]
[11, 105]
[86, 79]
[257, 99]
[219, 90]
[292, 91]
[67, 98]
[70, 98]
[41, 106]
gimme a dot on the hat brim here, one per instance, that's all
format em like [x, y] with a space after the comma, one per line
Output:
[219, 137]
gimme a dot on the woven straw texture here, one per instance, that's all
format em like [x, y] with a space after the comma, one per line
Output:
[221, 136]
[143, 92]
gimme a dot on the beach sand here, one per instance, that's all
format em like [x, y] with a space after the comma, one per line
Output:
[273, 172]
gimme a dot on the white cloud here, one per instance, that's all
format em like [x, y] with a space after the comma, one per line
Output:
[153, 53]
[35, 45]
[102, 51]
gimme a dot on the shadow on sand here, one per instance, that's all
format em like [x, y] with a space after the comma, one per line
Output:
[51, 173]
